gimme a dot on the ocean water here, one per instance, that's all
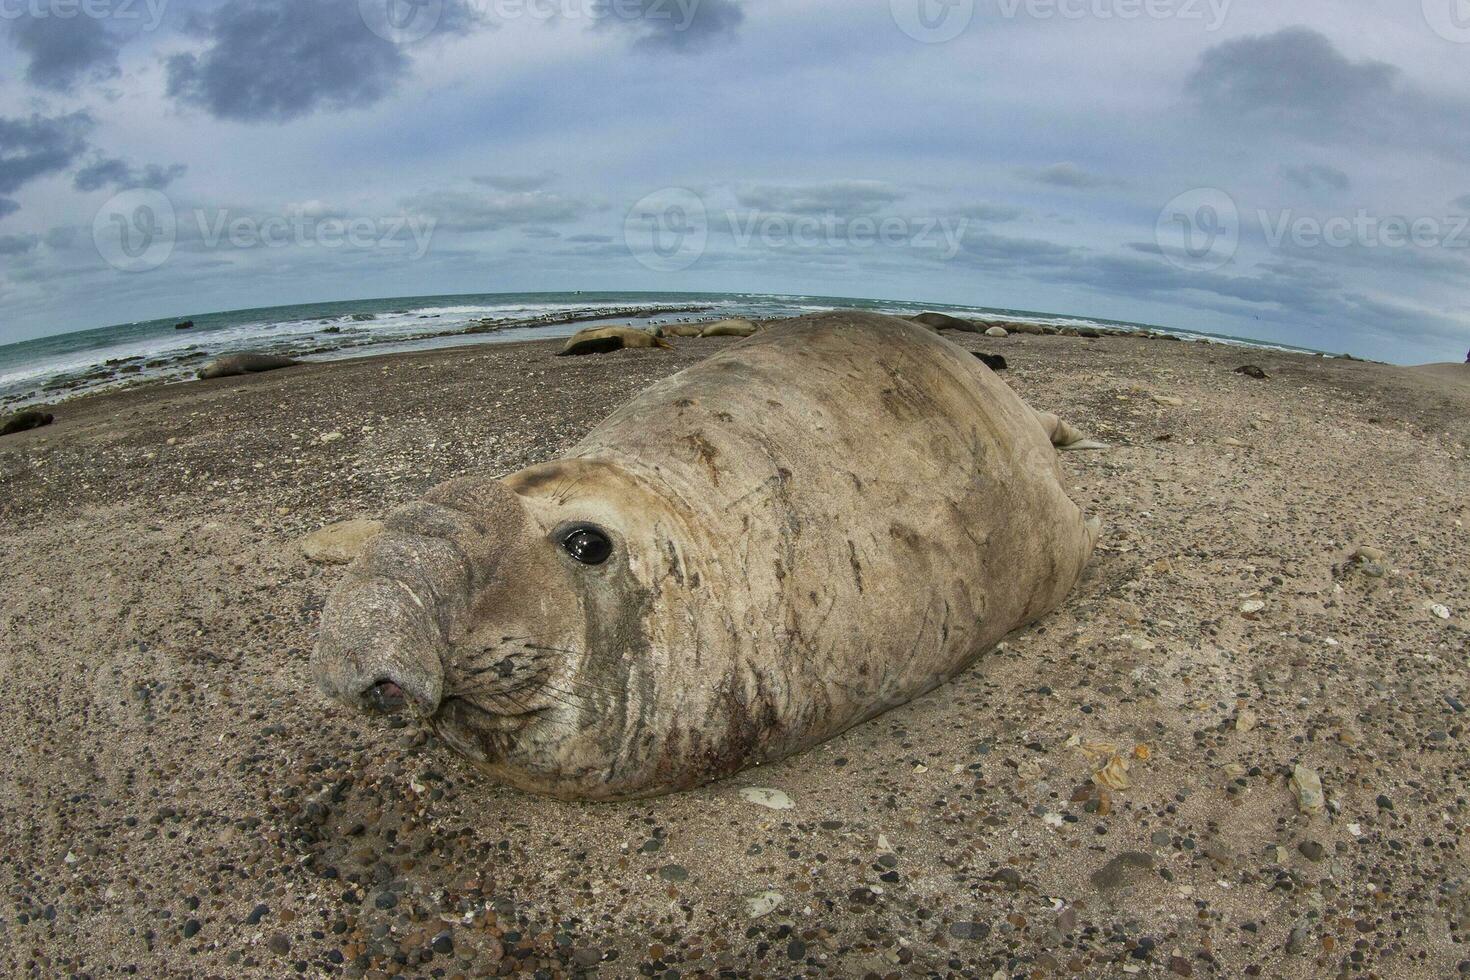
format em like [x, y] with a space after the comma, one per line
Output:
[49, 369]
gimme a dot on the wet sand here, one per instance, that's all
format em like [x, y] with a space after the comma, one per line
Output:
[178, 801]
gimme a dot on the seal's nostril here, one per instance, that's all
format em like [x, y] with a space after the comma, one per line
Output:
[385, 696]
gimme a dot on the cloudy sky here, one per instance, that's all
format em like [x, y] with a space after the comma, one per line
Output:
[1291, 171]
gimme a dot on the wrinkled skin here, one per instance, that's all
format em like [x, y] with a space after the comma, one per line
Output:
[818, 524]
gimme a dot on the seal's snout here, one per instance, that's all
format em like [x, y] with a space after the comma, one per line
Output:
[385, 697]
[380, 650]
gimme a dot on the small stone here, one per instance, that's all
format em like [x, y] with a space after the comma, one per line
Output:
[443, 943]
[1009, 877]
[280, 944]
[673, 872]
[1439, 611]
[329, 437]
[1306, 785]
[191, 928]
[1245, 720]
[1180, 966]
[1126, 869]
[1252, 606]
[1296, 943]
[1311, 850]
[969, 930]
[256, 914]
[1167, 400]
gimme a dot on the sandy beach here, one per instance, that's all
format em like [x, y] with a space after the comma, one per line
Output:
[178, 800]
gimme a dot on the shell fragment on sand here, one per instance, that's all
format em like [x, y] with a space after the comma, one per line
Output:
[338, 544]
[771, 799]
[762, 903]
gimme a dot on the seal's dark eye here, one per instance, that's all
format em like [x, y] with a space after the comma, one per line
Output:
[587, 545]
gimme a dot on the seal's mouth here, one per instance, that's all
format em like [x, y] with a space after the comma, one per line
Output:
[479, 733]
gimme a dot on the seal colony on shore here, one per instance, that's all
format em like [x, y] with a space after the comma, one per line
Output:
[791, 537]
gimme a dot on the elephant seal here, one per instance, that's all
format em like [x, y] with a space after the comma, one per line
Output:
[748, 558]
[732, 327]
[26, 420]
[237, 364]
[680, 330]
[943, 321]
[601, 340]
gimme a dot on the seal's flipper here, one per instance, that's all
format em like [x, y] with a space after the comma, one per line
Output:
[1064, 436]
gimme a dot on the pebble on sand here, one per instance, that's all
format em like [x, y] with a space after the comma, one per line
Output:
[338, 544]
[1306, 786]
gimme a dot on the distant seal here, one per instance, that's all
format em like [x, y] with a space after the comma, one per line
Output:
[26, 420]
[996, 362]
[237, 364]
[731, 327]
[680, 330]
[748, 558]
[601, 340]
[943, 321]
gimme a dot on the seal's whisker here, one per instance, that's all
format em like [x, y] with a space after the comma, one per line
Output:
[562, 496]
[561, 697]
